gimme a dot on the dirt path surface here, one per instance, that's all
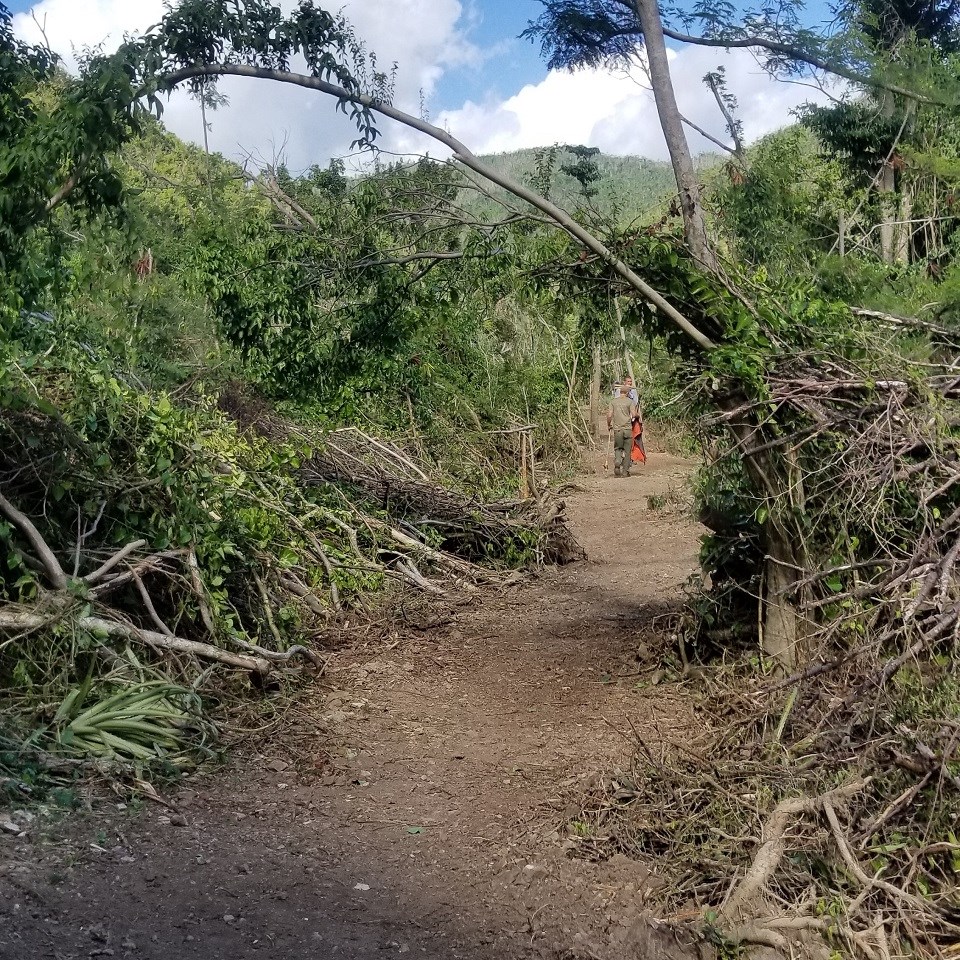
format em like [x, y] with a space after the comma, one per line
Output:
[424, 807]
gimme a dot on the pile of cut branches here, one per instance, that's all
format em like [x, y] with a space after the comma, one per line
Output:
[759, 838]
[390, 480]
[150, 545]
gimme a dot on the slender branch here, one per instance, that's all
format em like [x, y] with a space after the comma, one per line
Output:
[151, 609]
[424, 255]
[709, 136]
[465, 156]
[803, 56]
[205, 612]
[82, 538]
[285, 656]
[68, 186]
[728, 117]
[267, 609]
[51, 565]
[119, 556]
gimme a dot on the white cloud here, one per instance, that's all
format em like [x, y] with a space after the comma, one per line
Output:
[262, 116]
[616, 112]
[604, 109]
[74, 24]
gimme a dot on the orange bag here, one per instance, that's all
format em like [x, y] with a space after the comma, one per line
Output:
[638, 453]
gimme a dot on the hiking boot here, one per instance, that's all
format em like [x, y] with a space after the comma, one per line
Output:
[616, 471]
[626, 473]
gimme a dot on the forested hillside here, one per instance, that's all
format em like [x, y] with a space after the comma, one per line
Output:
[241, 407]
[624, 189]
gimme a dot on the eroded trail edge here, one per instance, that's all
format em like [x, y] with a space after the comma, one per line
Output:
[425, 808]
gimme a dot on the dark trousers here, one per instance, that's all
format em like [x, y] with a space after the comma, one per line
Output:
[622, 445]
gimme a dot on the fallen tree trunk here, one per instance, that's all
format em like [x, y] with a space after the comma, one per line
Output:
[21, 621]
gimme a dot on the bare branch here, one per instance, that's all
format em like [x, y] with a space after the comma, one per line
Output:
[151, 609]
[728, 117]
[709, 136]
[118, 557]
[51, 566]
[771, 851]
[14, 620]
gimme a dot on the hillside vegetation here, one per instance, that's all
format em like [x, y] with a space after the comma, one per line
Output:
[626, 189]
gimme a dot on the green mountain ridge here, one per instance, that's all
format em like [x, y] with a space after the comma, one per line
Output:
[629, 188]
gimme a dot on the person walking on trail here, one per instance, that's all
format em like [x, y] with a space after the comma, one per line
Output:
[638, 452]
[620, 416]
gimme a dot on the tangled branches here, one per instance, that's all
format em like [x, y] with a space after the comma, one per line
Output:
[458, 524]
[150, 532]
[862, 476]
[762, 841]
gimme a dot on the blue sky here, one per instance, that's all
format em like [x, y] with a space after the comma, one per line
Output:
[497, 25]
[479, 80]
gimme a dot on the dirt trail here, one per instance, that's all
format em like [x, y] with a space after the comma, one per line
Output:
[423, 810]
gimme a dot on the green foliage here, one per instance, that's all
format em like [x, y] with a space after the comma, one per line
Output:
[147, 723]
[855, 132]
[789, 195]
[256, 33]
[626, 190]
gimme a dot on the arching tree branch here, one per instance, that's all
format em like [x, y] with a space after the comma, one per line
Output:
[51, 565]
[465, 156]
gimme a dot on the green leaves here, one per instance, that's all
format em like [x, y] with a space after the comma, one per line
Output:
[148, 722]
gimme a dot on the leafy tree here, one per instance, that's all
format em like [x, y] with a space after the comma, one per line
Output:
[585, 170]
[781, 209]
[58, 136]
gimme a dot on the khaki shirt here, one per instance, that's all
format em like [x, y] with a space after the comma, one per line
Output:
[621, 411]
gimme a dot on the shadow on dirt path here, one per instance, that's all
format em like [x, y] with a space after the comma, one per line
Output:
[423, 810]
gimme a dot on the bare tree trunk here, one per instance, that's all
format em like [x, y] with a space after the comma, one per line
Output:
[627, 359]
[887, 212]
[782, 636]
[904, 231]
[694, 224]
[595, 392]
[206, 141]
[887, 190]
[783, 630]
